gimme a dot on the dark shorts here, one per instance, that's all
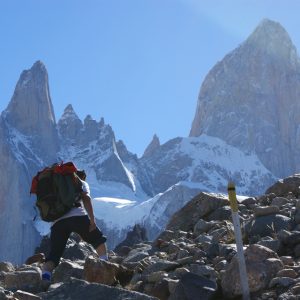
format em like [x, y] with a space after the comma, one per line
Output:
[61, 231]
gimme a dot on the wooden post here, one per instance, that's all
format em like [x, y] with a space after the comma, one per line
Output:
[239, 241]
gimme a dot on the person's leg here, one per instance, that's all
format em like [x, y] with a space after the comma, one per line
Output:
[95, 237]
[58, 240]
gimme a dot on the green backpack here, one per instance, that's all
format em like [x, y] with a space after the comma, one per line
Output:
[58, 189]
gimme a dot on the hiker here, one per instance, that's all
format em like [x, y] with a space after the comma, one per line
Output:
[80, 220]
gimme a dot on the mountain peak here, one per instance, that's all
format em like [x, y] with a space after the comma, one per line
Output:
[30, 110]
[250, 99]
[31, 102]
[69, 113]
[69, 124]
[154, 144]
[272, 38]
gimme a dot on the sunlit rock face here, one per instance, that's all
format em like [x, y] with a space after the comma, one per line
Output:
[251, 99]
[30, 110]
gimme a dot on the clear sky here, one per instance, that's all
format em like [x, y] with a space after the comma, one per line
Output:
[137, 63]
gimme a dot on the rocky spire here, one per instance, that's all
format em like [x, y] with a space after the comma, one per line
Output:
[251, 99]
[154, 144]
[69, 124]
[30, 110]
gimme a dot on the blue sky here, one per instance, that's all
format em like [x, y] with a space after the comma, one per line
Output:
[137, 63]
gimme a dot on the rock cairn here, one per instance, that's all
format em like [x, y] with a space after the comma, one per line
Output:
[193, 258]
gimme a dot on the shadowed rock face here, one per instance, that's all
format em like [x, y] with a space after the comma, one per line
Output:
[28, 139]
[251, 99]
[16, 206]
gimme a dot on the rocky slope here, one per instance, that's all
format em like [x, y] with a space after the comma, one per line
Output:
[194, 258]
[251, 99]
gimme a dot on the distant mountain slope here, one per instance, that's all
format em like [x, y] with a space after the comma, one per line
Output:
[206, 160]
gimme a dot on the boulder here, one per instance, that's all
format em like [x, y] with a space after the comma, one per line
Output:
[220, 214]
[100, 271]
[6, 266]
[161, 290]
[279, 201]
[265, 210]
[262, 265]
[26, 280]
[67, 269]
[202, 226]
[77, 289]
[268, 225]
[194, 287]
[38, 257]
[284, 186]
[21, 295]
[161, 265]
[198, 208]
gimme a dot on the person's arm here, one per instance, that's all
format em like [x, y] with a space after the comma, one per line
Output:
[87, 202]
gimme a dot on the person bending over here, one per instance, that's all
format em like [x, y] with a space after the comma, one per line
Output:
[81, 220]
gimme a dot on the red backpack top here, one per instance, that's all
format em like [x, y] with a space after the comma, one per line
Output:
[62, 168]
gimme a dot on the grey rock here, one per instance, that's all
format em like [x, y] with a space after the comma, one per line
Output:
[274, 245]
[267, 225]
[281, 281]
[265, 210]
[136, 256]
[220, 214]
[202, 226]
[203, 270]
[194, 287]
[262, 264]
[199, 207]
[161, 265]
[67, 269]
[6, 266]
[5, 294]
[279, 201]
[78, 289]
[284, 186]
[21, 295]
[27, 280]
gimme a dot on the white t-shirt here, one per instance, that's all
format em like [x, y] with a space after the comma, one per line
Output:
[76, 211]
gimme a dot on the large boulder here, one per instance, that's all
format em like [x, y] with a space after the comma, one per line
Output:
[262, 265]
[198, 208]
[268, 225]
[284, 186]
[28, 279]
[77, 289]
[67, 269]
[194, 287]
[100, 271]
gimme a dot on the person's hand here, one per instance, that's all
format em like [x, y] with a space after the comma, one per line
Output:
[92, 225]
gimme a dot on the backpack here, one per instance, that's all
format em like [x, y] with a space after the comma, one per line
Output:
[57, 189]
